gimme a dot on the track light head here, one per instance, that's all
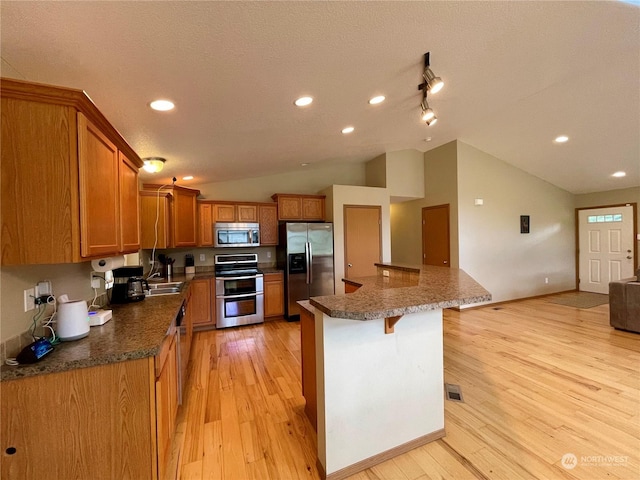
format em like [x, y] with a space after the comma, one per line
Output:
[431, 121]
[427, 114]
[434, 84]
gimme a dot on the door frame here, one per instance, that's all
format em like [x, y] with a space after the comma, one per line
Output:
[422, 226]
[634, 206]
[344, 226]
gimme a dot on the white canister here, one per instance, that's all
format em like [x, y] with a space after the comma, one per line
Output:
[72, 320]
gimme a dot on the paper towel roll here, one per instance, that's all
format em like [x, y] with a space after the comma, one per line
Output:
[106, 264]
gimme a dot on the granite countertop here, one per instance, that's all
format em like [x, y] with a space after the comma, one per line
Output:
[431, 288]
[136, 330]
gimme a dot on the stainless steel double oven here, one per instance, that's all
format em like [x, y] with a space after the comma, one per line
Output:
[239, 290]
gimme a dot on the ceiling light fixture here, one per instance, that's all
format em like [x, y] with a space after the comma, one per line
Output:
[431, 82]
[619, 174]
[377, 100]
[162, 105]
[561, 139]
[188, 177]
[303, 101]
[347, 130]
[153, 164]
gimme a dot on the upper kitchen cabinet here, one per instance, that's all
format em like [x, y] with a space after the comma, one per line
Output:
[308, 208]
[235, 212]
[182, 218]
[268, 219]
[155, 219]
[68, 178]
[205, 217]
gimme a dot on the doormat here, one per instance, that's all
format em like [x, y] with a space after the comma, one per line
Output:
[580, 299]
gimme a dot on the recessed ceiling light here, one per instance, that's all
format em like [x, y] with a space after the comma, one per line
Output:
[303, 101]
[188, 177]
[619, 174]
[377, 100]
[428, 139]
[561, 139]
[347, 130]
[304, 164]
[162, 105]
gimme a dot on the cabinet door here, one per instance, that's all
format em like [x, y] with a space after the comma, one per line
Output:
[129, 205]
[155, 211]
[205, 211]
[247, 213]
[273, 294]
[268, 217]
[184, 218]
[312, 208]
[289, 208]
[224, 212]
[201, 304]
[166, 405]
[99, 206]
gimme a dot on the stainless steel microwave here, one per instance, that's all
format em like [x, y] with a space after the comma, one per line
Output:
[236, 234]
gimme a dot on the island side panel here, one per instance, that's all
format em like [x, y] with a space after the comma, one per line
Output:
[376, 391]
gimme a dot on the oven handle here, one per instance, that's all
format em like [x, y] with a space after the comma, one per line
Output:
[243, 295]
[239, 278]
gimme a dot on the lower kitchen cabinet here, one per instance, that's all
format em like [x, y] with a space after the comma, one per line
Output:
[166, 400]
[273, 294]
[202, 304]
[109, 421]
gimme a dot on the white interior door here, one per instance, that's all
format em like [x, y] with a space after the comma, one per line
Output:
[606, 247]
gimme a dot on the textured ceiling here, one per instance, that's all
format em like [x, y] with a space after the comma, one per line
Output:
[517, 75]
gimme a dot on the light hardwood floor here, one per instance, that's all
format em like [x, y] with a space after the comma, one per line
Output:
[539, 381]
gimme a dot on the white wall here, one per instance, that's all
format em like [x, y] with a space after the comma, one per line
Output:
[405, 173]
[339, 196]
[509, 264]
[306, 180]
[72, 279]
[440, 181]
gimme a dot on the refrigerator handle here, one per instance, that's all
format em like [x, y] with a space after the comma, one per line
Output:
[310, 264]
[306, 261]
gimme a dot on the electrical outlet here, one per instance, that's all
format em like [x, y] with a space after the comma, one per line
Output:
[29, 297]
[546, 279]
[385, 273]
[268, 254]
[202, 257]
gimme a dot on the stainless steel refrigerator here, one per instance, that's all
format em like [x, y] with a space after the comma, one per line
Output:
[305, 253]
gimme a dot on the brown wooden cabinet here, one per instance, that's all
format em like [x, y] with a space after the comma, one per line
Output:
[166, 393]
[203, 303]
[205, 220]
[273, 294]
[308, 363]
[235, 212]
[62, 198]
[180, 217]
[129, 204]
[293, 207]
[268, 219]
[155, 219]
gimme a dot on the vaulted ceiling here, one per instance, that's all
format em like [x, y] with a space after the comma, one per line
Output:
[517, 74]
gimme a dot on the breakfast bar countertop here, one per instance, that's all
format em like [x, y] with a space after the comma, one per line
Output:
[136, 330]
[408, 289]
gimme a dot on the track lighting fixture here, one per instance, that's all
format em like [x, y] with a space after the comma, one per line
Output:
[434, 84]
[431, 84]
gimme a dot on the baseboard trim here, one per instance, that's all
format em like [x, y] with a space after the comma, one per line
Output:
[494, 304]
[380, 457]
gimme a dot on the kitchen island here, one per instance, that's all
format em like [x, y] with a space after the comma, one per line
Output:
[379, 364]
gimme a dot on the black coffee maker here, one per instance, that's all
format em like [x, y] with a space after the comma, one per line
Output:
[128, 285]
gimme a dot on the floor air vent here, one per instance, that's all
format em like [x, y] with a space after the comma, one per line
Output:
[454, 393]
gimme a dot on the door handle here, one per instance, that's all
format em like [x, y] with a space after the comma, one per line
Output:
[628, 251]
[629, 257]
[445, 262]
[349, 265]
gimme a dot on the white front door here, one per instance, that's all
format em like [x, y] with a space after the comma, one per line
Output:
[606, 247]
